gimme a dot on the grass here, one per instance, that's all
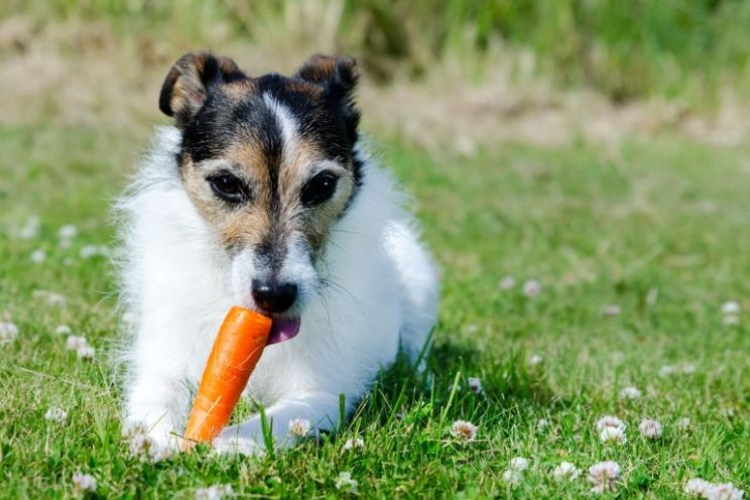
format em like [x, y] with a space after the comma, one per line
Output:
[657, 227]
[693, 51]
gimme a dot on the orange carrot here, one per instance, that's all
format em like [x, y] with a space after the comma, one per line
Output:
[235, 352]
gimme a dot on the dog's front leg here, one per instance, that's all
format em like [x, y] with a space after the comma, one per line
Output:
[156, 403]
[320, 409]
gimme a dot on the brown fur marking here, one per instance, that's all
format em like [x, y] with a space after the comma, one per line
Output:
[281, 213]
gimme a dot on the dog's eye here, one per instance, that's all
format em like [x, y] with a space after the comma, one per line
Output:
[319, 189]
[228, 187]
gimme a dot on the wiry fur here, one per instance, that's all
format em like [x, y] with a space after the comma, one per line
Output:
[375, 290]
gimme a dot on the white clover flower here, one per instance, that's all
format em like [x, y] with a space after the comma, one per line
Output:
[299, 427]
[731, 320]
[52, 298]
[56, 414]
[650, 429]
[30, 230]
[688, 369]
[698, 487]
[730, 307]
[683, 423]
[613, 435]
[519, 464]
[630, 393]
[542, 424]
[38, 256]
[612, 310]
[81, 346]
[610, 421]
[345, 482]
[666, 370]
[354, 443]
[507, 283]
[724, 491]
[512, 477]
[726, 411]
[611, 430]
[565, 472]
[535, 359]
[63, 330]
[475, 385]
[74, 342]
[532, 288]
[8, 331]
[144, 447]
[83, 483]
[604, 476]
[85, 352]
[90, 251]
[214, 492]
[139, 442]
[55, 299]
[463, 430]
[67, 232]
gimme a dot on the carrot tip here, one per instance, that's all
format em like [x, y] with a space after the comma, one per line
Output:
[234, 355]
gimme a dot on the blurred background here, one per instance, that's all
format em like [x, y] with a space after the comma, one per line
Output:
[455, 73]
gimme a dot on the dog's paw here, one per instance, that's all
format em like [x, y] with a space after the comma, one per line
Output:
[238, 445]
[152, 444]
[245, 438]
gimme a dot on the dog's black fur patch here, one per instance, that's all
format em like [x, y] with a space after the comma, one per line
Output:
[319, 97]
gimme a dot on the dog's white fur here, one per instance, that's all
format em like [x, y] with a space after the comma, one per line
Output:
[177, 286]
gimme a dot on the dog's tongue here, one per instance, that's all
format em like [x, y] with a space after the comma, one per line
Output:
[283, 329]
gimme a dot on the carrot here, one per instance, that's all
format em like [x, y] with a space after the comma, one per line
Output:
[235, 352]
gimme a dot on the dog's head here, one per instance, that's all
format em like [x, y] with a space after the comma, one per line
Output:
[268, 162]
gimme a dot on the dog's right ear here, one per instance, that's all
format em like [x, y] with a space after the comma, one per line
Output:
[190, 81]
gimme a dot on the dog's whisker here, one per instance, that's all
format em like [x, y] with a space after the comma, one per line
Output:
[355, 233]
[342, 291]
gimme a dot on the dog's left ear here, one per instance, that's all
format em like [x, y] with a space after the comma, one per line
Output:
[338, 76]
[190, 81]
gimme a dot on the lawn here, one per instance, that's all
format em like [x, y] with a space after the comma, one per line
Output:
[569, 274]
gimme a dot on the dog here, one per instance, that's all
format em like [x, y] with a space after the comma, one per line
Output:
[263, 194]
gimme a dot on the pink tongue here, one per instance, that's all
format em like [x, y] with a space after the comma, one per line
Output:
[283, 329]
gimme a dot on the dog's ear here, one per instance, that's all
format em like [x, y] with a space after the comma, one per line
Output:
[338, 76]
[190, 81]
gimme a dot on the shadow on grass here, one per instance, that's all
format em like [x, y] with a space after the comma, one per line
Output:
[510, 388]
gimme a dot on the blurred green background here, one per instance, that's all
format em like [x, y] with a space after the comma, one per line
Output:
[626, 50]
[438, 72]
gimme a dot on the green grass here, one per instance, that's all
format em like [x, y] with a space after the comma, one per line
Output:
[657, 227]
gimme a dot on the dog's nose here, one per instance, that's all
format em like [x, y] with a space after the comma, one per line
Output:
[274, 297]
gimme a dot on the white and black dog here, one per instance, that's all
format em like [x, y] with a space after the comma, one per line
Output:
[262, 195]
